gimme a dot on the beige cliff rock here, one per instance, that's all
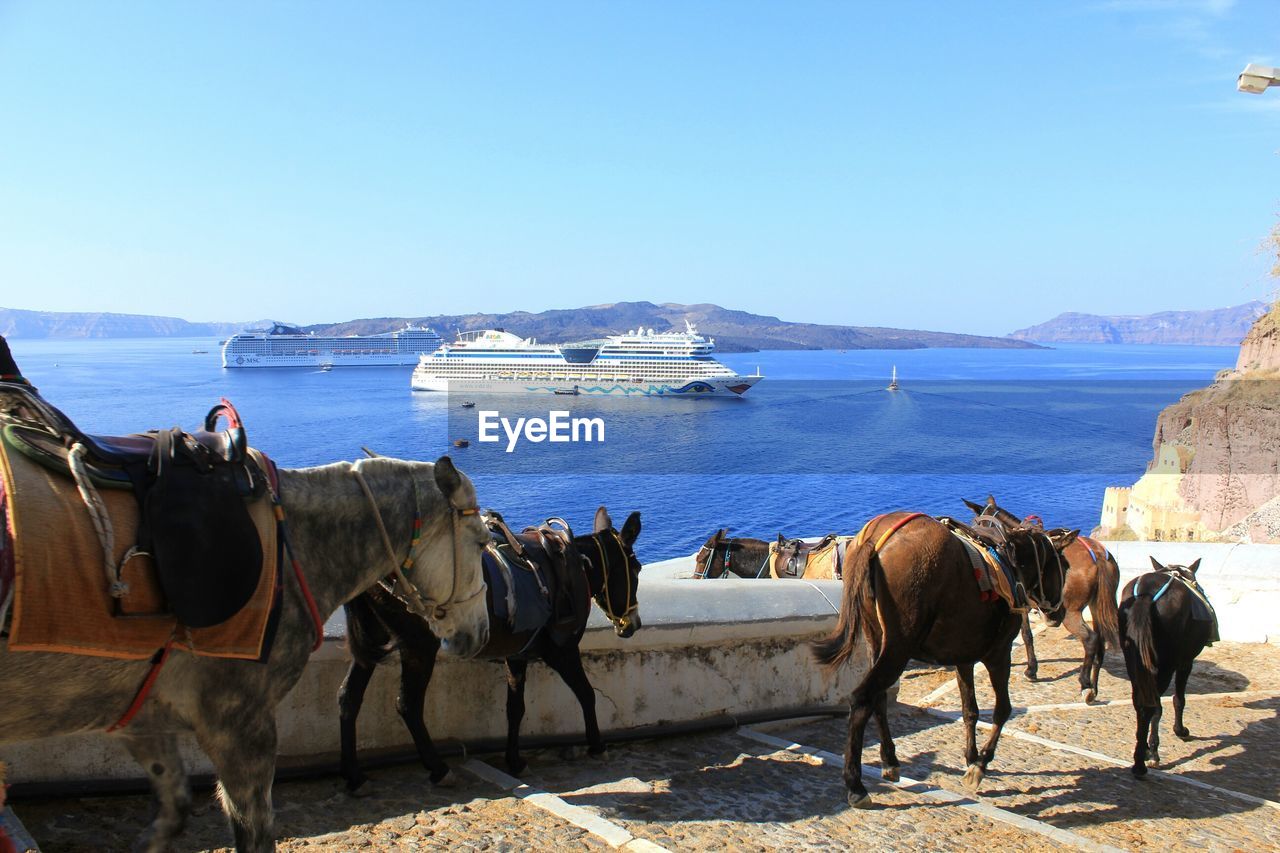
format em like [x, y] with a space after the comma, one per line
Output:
[1215, 472]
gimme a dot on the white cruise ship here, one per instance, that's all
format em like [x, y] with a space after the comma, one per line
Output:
[640, 362]
[288, 346]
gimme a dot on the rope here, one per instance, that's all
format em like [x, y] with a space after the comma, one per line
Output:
[101, 521]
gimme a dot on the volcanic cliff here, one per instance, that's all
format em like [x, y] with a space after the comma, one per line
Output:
[1215, 471]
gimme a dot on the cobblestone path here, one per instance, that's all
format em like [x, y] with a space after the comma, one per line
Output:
[1060, 779]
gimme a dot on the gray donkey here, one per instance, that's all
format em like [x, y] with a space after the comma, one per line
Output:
[350, 524]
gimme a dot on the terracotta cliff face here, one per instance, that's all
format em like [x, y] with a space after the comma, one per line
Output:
[1232, 429]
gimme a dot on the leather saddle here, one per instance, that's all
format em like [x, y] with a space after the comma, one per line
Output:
[988, 533]
[533, 560]
[192, 489]
[800, 553]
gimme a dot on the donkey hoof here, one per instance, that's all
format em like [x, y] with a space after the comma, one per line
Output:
[1088, 696]
[516, 766]
[973, 778]
[364, 789]
[1183, 733]
[1139, 771]
[448, 780]
[890, 774]
[860, 801]
[602, 755]
[1030, 674]
[1153, 757]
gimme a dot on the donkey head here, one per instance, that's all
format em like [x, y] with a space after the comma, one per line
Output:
[709, 561]
[610, 553]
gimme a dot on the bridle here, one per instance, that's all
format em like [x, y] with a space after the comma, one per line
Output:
[405, 589]
[704, 565]
[619, 620]
[1036, 536]
[993, 519]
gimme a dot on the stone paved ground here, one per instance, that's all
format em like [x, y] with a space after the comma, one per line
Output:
[722, 790]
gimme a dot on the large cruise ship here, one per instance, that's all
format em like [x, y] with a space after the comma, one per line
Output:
[641, 362]
[288, 346]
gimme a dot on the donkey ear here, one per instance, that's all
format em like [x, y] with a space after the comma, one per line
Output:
[991, 500]
[781, 541]
[370, 453]
[448, 480]
[1156, 564]
[603, 522]
[975, 508]
[719, 537]
[1194, 567]
[631, 529]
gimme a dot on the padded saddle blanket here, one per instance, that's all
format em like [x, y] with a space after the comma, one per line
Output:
[60, 596]
[518, 595]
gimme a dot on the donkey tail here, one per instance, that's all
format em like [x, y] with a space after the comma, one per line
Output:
[834, 650]
[367, 637]
[1139, 639]
[1103, 605]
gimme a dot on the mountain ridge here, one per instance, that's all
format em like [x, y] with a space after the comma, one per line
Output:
[1207, 327]
[734, 330]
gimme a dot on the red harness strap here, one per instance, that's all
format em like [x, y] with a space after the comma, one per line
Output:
[317, 621]
[884, 537]
[157, 661]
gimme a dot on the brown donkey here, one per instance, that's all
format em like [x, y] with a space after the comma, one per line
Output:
[909, 588]
[1092, 579]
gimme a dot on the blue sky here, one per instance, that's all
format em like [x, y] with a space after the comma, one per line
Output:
[965, 167]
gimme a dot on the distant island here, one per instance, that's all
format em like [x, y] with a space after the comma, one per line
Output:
[17, 323]
[734, 331]
[1212, 327]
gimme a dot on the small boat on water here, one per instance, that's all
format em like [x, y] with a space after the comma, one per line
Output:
[567, 392]
[468, 404]
[893, 381]
[326, 367]
[461, 442]
[199, 352]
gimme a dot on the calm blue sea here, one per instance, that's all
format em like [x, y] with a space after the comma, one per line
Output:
[817, 446]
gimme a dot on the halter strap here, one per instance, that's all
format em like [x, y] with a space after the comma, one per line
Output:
[425, 607]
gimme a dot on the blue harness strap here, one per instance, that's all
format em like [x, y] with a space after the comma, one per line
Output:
[1156, 597]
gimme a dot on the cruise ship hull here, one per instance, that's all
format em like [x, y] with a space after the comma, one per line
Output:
[231, 359]
[711, 386]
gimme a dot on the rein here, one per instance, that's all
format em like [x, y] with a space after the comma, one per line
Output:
[405, 589]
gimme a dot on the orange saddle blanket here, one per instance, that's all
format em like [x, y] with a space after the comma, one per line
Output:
[61, 600]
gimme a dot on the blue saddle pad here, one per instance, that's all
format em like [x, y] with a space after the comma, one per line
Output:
[520, 604]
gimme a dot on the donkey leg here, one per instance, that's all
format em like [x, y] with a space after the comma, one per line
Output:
[888, 753]
[242, 747]
[1029, 643]
[1153, 740]
[158, 755]
[1139, 768]
[567, 663]
[350, 700]
[1180, 701]
[1092, 643]
[998, 666]
[516, 671]
[859, 712]
[416, 666]
[969, 713]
